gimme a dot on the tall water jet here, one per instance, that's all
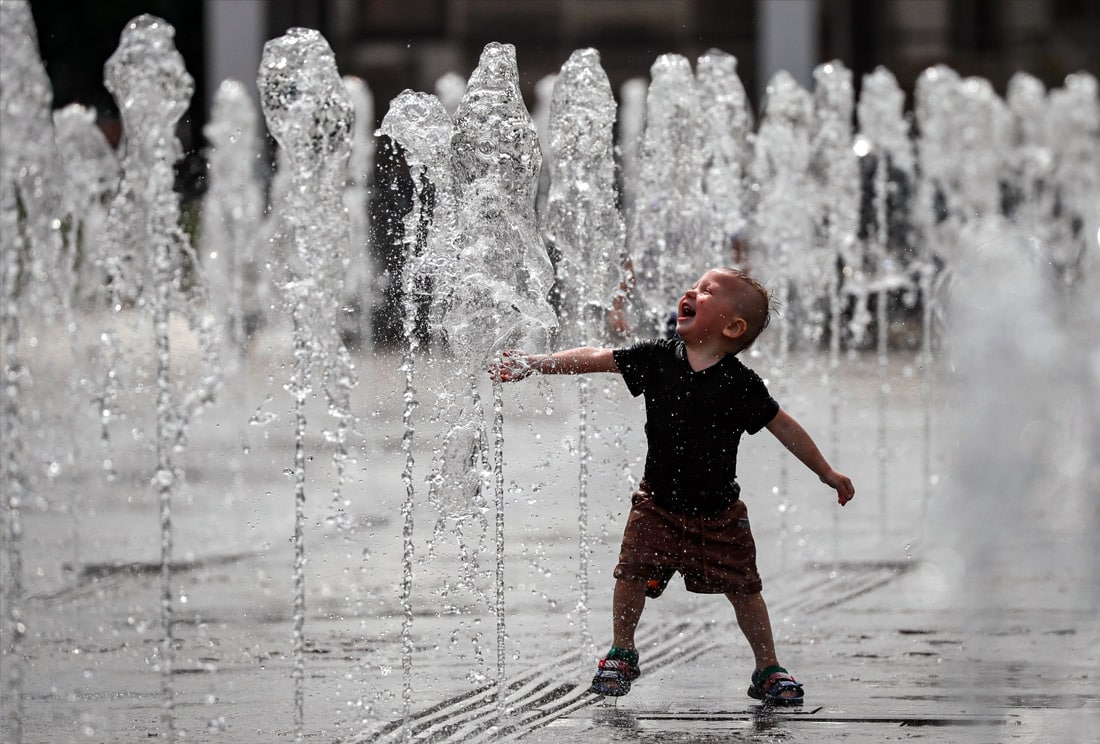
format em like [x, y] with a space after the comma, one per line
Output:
[632, 95]
[154, 268]
[540, 115]
[310, 115]
[669, 224]
[583, 224]
[27, 209]
[727, 123]
[783, 228]
[502, 302]
[938, 209]
[91, 178]
[421, 127]
[422, 130]
[359, 280]
[1075, 125]
[231, 216]
[884, 140]
[1030, 172]
[449, 88]
[836, 173]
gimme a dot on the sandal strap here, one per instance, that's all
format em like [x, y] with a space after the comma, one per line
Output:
[778, 682]
[616, 668]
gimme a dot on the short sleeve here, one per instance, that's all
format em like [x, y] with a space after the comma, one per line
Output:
[760, 406]
[634, 363]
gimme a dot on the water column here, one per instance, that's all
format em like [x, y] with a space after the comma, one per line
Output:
[501, 302]
[583, 223]
[91, 178]
[27, 208]
[783, 226]
[1030, 198]
[632, 95]
[884, 137]
[231, 214]
[309, 114]
[727, 122]
[153, 267]
[359, 281]
[669, 228]
[836, 172]
[419, 125]
[1075, 128]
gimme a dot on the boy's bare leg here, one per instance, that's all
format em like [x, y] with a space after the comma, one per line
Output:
[752, 617]
[627, 605]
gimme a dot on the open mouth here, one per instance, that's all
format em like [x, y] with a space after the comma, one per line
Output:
[686, 310]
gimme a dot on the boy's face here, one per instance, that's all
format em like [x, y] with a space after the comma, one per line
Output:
[708, 308]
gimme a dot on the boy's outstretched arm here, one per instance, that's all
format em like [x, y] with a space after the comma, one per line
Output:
[516, 365]
[791, 434]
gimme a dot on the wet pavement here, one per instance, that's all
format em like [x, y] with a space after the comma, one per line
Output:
[877, 608]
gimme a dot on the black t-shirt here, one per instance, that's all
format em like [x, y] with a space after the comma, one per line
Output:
[694, 422]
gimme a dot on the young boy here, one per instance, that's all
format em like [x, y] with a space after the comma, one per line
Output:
[686, 515]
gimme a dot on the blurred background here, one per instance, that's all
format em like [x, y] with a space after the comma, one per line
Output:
[395, 45]
[399, 44]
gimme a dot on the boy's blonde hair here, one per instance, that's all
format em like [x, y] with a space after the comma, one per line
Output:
[757, 311]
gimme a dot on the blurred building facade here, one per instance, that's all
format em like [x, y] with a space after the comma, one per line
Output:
[398, 44]
[410, 43]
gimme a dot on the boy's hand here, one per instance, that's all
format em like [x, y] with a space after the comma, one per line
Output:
[512, 367]
[843, 485]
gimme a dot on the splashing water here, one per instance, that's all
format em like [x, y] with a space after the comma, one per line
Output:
[147, 77]
[928, 225]
[582, 220]
[784, 228]
[632, 95]
[421, 127]
[669, 227]
[24, 235]
[310, 114]
[92, 175]
[359, 280]
[836, 171]
[727, 122]
[232, 213]
[884, 137]
[501, 303]
[473, 240]
[583, 223]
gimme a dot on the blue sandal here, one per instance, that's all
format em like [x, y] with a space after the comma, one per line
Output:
[775, 686]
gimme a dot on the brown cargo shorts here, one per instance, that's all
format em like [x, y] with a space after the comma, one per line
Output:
[715, 554]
